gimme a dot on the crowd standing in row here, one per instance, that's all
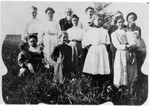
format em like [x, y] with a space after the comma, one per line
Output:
[84, 47]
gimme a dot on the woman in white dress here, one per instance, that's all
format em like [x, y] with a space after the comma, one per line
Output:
[97, 62]
[50, 36]
[75, 36]
[125, 70]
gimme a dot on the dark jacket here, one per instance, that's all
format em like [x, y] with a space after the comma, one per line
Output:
[64, 24]
[66, 52]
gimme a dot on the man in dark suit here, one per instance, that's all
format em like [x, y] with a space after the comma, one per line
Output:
[65, 23]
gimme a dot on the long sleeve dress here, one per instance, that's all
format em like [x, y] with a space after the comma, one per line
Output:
[50, 37]
[125, 73]
[66, 54]
[75, 37]
[97, 61]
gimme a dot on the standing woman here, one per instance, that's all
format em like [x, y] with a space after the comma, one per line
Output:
[124, 64]
[112, 49]
[33, 26]
[75, 36]
[50, 33]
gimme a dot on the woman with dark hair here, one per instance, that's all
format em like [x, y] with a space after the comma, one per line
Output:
[75, 36]
[50, 33]
[112, 49]
[125, 67]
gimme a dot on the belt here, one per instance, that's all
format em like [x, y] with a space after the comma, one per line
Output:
[75, 41]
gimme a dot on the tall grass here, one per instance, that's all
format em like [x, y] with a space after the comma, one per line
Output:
[40, 87]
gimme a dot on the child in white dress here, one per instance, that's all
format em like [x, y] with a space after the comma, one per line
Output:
[97, 62]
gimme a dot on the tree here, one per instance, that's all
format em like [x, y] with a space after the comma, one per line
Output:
[100, 8]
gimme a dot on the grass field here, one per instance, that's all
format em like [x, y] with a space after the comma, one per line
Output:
[39, 88]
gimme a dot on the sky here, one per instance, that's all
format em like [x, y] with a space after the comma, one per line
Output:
[15, 14]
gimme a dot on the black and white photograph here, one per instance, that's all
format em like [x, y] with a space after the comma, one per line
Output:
[74, 52]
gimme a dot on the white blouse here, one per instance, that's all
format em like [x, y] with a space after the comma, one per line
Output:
[33, 26]
[96, 36]
[50, 27]
[75, 33]
[119, 39]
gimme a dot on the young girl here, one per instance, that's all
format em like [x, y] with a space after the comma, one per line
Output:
[125, 72]
[36, 52]
[97, 62]
[62, 55]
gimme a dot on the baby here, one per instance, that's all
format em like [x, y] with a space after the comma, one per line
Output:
[133, 36]
[133, 41]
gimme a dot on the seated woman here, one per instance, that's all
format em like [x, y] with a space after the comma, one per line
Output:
[62, 55]
[36, 52]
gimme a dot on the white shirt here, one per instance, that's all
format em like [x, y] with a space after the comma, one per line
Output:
[33, 26]
[96, 36]
[75, 33]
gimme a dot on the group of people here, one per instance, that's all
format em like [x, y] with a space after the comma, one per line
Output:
[84, 47]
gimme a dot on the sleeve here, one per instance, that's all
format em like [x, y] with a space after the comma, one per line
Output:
[116, 42]
[25, 33]
[81, 25]
[41, 33]
[68, 31]
[58, 31]
[58, 27]
[55, 54]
